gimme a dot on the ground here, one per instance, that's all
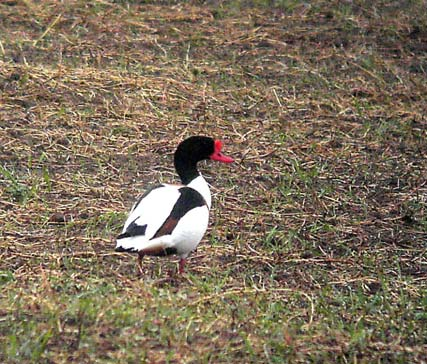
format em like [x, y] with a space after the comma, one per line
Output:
[316, 250]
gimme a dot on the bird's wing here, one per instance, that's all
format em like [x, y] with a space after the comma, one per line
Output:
[188, 199]
[154, 217]
[150, 211]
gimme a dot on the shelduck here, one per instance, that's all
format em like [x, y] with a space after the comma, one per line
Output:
[172, 219]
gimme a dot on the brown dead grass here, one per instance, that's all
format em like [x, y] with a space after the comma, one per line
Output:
[322, 105]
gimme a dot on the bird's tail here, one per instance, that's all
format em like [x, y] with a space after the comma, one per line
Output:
[127, 243]
[137, 244]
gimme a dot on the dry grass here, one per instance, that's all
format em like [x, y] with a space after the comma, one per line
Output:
[316, 251]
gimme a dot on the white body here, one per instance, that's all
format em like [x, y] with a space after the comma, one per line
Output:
[156, 207]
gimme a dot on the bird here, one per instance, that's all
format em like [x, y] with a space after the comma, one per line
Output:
[172, 219]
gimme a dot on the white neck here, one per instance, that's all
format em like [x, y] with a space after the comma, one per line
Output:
[201, 186]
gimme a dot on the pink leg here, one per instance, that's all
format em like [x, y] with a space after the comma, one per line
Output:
[181, 265]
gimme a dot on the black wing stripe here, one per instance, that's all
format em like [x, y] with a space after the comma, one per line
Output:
[189, 199]
[133, 230]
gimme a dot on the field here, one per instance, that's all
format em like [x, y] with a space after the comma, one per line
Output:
[316, 250]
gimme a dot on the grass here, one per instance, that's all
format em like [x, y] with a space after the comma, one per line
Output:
[316, 248]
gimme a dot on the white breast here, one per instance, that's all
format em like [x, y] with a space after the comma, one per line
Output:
[201, 186]
[190, 230]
